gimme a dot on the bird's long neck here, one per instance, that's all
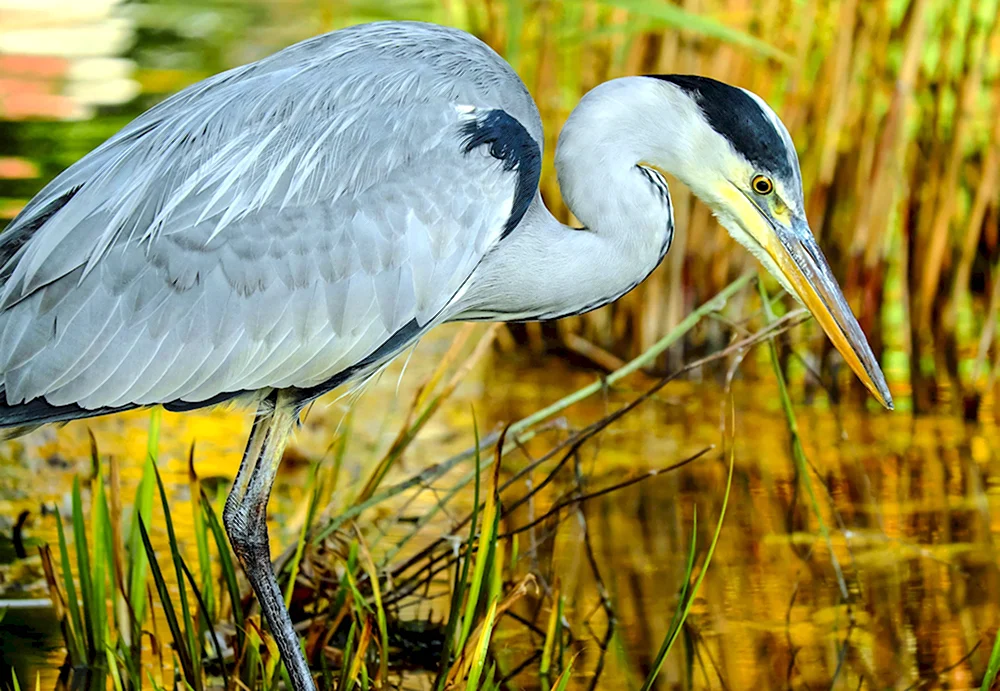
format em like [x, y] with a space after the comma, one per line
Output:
[546, 270]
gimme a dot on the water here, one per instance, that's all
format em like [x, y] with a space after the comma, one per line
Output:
[910, 508]
[912, 532]
[911, 503]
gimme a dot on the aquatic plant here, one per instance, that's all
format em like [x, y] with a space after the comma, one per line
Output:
[121, 602]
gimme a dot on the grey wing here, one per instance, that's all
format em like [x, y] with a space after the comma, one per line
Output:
[271, 227]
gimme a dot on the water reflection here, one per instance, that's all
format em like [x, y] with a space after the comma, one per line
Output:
[910, 513]
[907, 503]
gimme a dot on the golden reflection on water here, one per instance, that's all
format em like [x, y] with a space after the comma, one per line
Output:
[912, 532]
[910, 506]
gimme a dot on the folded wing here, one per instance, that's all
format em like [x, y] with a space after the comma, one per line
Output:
[270, 227]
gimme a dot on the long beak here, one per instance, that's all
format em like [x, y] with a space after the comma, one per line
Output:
[805, 268]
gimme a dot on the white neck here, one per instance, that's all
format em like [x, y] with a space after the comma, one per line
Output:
[544, 269]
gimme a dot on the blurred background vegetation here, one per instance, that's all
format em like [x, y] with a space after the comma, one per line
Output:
[895, 108]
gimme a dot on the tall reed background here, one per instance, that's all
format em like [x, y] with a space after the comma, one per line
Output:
[894, 106]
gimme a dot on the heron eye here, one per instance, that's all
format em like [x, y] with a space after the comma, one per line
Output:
[762, 185]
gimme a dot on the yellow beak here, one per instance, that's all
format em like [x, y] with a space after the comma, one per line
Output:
[803, 265]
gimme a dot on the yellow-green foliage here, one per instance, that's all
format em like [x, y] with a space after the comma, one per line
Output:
[893, 105]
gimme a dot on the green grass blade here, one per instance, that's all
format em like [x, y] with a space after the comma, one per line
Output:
[300, 546]
[142, 511]
[347, 655]
[550, 636]
[207, 587]
[203, 610]
[116, 678]
[100, 526]
[489, 681]
[102, 510]
[153, 434]
[124, 624]
[798, 453]
[357, 662]
[360, 604]
[180, 646]
[496, 572]
[484, 554]
[190, 632]
[83, 566]
[75, 646]
[562, 639]
[383, 628]
[482, 646]
[254, 663]
[461, 572]
[228, 570]
[285, 678]
[562, 681]
[343, 588]
[689, 569]
[993, 666]
[152, 681]
[678, 623]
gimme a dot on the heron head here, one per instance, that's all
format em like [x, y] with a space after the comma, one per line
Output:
[738, 157]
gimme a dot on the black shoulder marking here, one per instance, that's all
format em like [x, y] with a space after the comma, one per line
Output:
[218, 399]
[24, 417]
[392, 346]
[736, 116]
[395, 344]
[509, 142]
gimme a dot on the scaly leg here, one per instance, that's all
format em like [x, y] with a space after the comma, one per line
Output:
[245, 518]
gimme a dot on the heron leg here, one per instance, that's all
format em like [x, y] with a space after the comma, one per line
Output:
[245, 518]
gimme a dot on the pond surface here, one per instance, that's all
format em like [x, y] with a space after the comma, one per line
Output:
[911, 505]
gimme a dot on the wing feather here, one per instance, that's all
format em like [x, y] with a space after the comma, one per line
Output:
[272, 226]
[105, 360]
[133, 353]
[156, 378]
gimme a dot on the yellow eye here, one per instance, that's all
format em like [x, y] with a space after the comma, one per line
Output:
[762, 185]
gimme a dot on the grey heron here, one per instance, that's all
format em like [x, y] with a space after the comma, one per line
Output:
[280, 229]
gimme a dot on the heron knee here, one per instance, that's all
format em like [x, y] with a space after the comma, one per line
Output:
[246, 524]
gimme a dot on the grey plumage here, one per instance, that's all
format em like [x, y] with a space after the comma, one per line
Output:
[261, 229]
